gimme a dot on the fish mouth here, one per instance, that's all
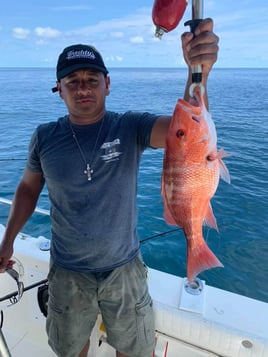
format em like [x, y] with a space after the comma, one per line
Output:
[193, 102]
[198, 96]
[196, 100]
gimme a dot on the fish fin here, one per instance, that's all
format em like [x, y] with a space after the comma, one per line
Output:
[222, 153]
[210, 219]
[224, 173]
[200, 258]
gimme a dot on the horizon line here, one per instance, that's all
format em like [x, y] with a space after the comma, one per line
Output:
[130, 67]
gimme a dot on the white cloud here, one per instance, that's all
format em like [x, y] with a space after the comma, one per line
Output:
[117, 34]
[113, 59]
[46, 32]
[130, 24]
[20, 33]
[48, 60]
[136, 39]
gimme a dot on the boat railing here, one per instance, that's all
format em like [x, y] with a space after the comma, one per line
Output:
[37, 209]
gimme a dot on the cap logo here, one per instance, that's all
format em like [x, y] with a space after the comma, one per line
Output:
[71, 55]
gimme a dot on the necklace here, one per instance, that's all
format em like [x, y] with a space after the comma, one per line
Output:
[88, 163]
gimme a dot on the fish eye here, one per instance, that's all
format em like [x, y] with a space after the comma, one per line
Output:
[180, 133]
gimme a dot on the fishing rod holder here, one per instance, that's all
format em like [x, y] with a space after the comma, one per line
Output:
[195, 287]
[193, 296]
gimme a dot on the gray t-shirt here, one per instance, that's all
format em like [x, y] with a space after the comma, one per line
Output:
[93, 222]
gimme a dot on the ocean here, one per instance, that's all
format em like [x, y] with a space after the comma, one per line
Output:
[239, 107]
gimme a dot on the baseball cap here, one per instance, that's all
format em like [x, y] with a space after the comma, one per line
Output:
[76, 57]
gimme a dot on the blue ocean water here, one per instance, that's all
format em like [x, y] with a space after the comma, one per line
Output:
[239, 106]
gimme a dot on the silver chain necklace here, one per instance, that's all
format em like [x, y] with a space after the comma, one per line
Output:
[88, 163]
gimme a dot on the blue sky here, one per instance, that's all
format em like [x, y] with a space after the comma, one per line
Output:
[34, 32]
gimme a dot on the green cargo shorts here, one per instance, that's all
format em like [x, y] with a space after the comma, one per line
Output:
[122, 297]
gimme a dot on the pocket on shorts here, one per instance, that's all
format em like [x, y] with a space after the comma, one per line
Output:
[52, 271]
[141, 267]
[145, 321]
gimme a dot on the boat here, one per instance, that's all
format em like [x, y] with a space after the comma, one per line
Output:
[192, 320]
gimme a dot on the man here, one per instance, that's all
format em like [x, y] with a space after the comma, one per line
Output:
[89, 162]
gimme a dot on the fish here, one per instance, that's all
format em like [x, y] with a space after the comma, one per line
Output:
[192, 167]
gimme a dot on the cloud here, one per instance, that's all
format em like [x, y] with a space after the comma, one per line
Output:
[136, 39]
[126, 36]
[113, 59]
[117, 34]
[113, 27]
[47, 32]
[20, 33]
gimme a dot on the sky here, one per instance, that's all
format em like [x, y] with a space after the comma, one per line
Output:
[34, 32]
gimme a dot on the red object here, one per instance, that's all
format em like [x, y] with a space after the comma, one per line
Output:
[167, 14]
[10, 263]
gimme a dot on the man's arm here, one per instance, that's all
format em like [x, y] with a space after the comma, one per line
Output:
[201, 49]
[23, 205]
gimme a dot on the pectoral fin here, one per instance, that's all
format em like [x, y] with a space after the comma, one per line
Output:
[210, 219]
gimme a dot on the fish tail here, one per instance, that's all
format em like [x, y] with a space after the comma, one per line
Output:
[200, 258]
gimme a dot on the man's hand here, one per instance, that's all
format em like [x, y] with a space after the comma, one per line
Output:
[6, 253]
[201, 48]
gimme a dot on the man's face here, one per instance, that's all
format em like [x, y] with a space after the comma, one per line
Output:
[84, 93]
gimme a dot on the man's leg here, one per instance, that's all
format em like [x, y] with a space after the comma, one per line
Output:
[127, 311]
[72, 311]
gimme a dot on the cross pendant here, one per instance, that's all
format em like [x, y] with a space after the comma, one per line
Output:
[88, 171]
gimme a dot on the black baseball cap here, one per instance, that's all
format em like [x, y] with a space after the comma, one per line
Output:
[76, 57]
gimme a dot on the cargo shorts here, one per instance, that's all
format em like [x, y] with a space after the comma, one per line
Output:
[122, 298]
